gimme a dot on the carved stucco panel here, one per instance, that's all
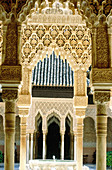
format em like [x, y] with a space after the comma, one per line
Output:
[46, 107]
[65, 108]
[61, 107]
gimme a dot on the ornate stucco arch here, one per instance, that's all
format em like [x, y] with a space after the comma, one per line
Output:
[53, 112]
[38, 111]
[69, 113]
[65, 34]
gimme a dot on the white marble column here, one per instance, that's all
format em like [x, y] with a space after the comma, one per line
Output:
[44, 145]
[75, 148]
[31, 153]
[27, 153]
[62, 145]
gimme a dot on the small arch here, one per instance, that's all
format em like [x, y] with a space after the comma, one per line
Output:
[70, 118]
[68, 147]
[38, 120]
[39, 112]
[53, 137]
[53, 112]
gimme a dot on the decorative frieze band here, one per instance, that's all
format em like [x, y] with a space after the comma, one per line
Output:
[11, 73]
[102, 75]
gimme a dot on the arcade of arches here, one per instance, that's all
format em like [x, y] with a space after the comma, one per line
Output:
[56, 81]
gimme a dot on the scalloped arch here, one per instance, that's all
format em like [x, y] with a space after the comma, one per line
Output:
[53, 112]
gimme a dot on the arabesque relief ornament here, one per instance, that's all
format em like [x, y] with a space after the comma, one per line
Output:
[75, 43]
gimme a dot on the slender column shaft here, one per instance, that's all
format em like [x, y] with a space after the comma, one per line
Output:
[75, 149]
[34, 144]
[10, 107]
[23, 144]
[62, 146]
[27, 153]
[79, 143]
[31, 155]
[44, 145]
[71, 145]
[101, 137]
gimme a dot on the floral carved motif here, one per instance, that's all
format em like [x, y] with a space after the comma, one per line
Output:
[33, 41]
[40, 31]
[54, 32]
[47, 40]
[28, 31]
[79, 32]
[73, 41]
[86, 42]
[60, 40]
[67, 32]
[27, 50]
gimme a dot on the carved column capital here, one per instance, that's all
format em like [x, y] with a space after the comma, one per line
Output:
[10, 94]
[80, 112]
[44, 131]
[23, 112]
[62, 132]
[101, 96]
